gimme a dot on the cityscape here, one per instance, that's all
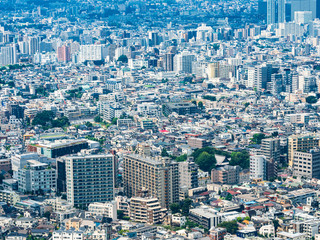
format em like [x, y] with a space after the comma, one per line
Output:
[159, 119]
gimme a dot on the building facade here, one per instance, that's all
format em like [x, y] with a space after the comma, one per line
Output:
[89, 179]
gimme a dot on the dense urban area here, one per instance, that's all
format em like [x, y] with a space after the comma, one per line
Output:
[159, 119]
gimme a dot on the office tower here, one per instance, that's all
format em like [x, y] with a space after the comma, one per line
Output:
[300, 143]
[260, 77]
[89, 179]
[226, 174]
[16, 110]
[262, 8]
[270, 148]
[159, 176]
[281, 11]
[276, 84]
[303, 17]
[272, 10]
[34, 45]
[183, 62]
[262, 168]
[36, 177]
[188, 172]
[168, 62]
[147, 210]
[8, 55]
[276, 11]
[213, 70]
[307, 164]
[92, 52]
[154, 39]
[61, 175]
[305, 5]
[20, 161]
[64, 54]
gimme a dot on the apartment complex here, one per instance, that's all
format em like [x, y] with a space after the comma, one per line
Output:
[147, 210]
[226, 174]
[159, 176]
[262, 168]
[299, 143]
[188, 172]
[89, 179]
[35, 177]
[270, 147]
[307, 164]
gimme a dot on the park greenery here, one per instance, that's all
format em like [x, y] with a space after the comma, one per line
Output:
[205, 157]
[46, 119]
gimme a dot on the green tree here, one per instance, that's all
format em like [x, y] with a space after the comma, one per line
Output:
[120, 214]
[164, 153]
[43, 118]
[200, 105]
[175, 208]
[231, 226]
[181, 158]
[47, 215]
[256, 139]
[206, 161]
[98, 119]
[240, 158]
[311, 99]
[123, 58]
[60, 122]
[114, 121]
[229, 197]
[186, 206]
[89, 124]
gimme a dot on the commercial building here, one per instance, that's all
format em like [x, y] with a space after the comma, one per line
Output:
[89, 178]
[300, 143]
[307, 164]
[36, 177]
[262, 168]
[108, 209]
[182, 108]
[58, 149]
[226, 174]
[159, 176]
[205, 217]
[9, 197]
[147, 210]
[270, 148]
[188, 172]
[198, 142]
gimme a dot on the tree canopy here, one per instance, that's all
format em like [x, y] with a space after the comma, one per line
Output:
[123, 58]
[311, 99]
[231, 226]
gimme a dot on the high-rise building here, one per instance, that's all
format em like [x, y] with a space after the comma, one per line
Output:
[303, 17]
[305, 5]
[276, 11]
[168, 62]
[8, 55]
[226, 174]
[183, 62]
[307, 164]
[89, 179]
[147, 210]
[300, 143]
[34, 45]
[188, 172]
[272, 11]
[270, 148]
[262, 168]
[16, 110]
[160, 177]
[64, 54]
[36, 177]
[213, 70]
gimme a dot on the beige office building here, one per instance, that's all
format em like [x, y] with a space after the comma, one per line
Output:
[160, 177]
[300, 143]
[147, 210]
